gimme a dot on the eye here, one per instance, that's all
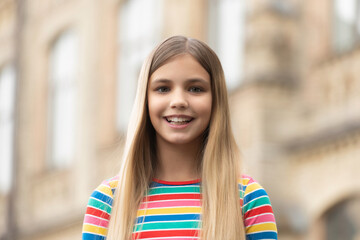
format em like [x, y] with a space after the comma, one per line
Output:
[162, 89]
[195, 89]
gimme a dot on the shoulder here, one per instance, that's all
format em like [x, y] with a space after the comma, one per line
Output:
[259, 219]
[246, 180]
[251, 190]
[98, 210]
[110, 184]
[105, 191]
[250, 187]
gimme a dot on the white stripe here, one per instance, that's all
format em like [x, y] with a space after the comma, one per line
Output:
[98, 190]
[178, 221]
[171, 229]
[158, 214]
[173, 200]
[173, 193]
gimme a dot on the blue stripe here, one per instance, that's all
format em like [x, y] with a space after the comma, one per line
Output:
[177, 217]
[261, 235]
[90, 236]
[257, 193]
[102, 197]
[241, 187]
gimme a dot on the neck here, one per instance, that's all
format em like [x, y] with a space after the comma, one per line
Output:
[177, 162]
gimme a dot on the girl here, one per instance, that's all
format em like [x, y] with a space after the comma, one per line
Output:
[180, 174]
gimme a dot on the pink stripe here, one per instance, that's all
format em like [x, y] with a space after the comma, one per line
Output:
[176, 203]
[251, 180]
[260, 219]
[96, 221]
[178, 238]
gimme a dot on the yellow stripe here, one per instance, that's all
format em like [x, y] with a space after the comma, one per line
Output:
[94, 229]
[252, 187]
[182, 210]
[114, 183]
[105, 189]
[261, 227]
[243, 181]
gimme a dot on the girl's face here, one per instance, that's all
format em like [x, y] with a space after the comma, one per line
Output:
[179, 100]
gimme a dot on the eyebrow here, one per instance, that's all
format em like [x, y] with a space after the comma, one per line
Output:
[161, 80]
[191, 80]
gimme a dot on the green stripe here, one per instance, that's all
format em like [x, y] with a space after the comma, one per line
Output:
[167, 225]
[99, 204]
[257, 203]
[164, 190]
[241, 194]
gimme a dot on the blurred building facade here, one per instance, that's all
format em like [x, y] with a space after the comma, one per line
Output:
[68, 73]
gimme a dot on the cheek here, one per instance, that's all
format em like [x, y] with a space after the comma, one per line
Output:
[154, 107]
[208, 112]
[205, 105]
[204, 108]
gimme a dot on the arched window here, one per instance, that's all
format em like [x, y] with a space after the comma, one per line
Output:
[62, 101]
[346, 24]
[226, 37]
[139, 29]
[7, 109]
[342, 221]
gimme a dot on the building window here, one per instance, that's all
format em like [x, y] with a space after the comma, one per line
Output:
[62, 101]
[226, 37]
[7, 110]
[139, 30]
[342, 221]
[346, 24]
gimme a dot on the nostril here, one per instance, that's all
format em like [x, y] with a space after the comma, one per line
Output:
[179, 104]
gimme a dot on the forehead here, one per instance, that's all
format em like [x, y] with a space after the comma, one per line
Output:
[181, 67]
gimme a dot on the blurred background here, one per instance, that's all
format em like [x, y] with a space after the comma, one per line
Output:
[68, 72]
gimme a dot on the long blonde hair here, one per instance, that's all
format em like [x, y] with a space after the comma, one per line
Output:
[220, 165]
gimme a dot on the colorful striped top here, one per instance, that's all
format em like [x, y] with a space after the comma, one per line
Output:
[171, 210]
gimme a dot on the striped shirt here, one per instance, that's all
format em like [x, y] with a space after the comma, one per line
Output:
[171, 210]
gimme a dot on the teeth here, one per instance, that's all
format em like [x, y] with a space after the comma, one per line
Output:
[178, 119]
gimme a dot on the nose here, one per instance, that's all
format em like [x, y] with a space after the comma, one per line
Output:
[179, 100]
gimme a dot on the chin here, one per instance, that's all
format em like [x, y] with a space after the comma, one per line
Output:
[179, 141]
[182, 141]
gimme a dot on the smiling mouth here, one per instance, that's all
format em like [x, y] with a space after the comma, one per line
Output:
[178, 120]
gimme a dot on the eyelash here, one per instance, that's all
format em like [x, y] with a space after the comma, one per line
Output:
[167, 89]
[162, 89]
[198, 89]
